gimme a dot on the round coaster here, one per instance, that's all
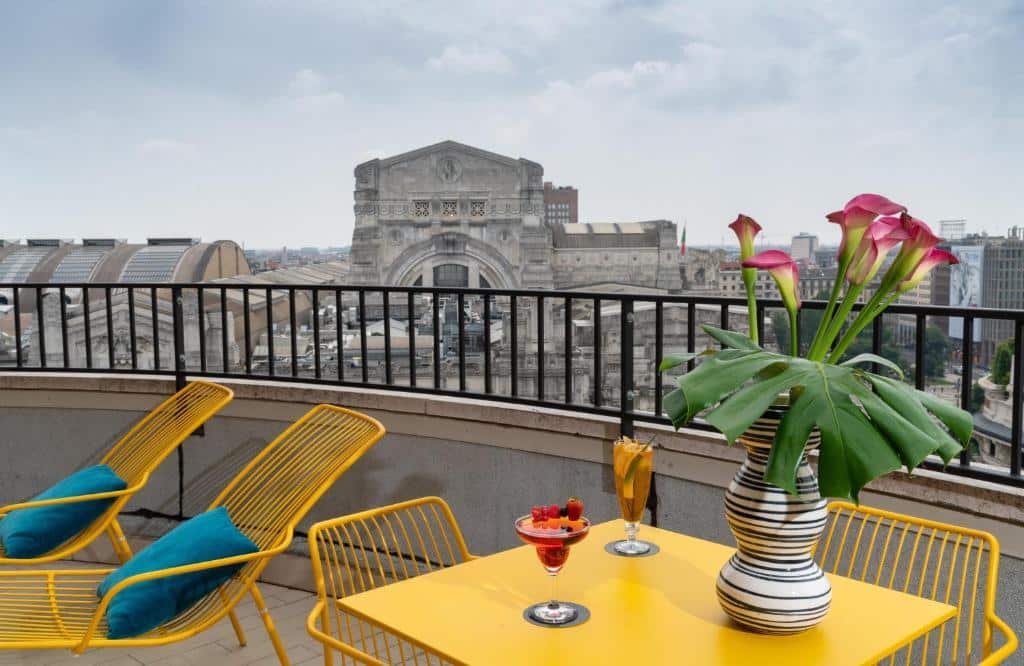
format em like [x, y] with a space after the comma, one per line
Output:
[610, 548]
[582, 615]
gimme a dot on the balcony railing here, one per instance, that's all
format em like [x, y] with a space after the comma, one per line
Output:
[595, 353]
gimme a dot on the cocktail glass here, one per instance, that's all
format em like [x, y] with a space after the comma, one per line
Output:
[631, 461]
[552, 546]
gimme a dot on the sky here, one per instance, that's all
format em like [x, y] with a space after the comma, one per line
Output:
[244, 120]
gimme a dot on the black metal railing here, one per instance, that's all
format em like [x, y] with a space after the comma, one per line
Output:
[501, 345]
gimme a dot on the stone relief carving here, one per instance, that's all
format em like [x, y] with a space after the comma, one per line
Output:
[449, 169]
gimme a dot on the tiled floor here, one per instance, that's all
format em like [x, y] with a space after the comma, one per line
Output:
[218, 646]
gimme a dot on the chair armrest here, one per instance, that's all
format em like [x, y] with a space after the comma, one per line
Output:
[330, 642]
[34, 504]
[1009, 645]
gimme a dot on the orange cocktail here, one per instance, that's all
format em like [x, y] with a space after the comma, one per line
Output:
[553, 537]
[632, 462]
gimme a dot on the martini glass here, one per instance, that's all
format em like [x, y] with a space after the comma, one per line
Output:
[552, 544]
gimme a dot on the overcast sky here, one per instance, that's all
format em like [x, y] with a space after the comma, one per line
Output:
[244, 120]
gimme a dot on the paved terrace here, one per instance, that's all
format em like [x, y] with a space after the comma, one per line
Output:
[218, 645]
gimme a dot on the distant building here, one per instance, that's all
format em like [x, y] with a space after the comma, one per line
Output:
[952, 229]
[804, 246]
[990, 275]
[57, 260]
[825, 257]
[813, 281]
[561, 204]
[452, 215]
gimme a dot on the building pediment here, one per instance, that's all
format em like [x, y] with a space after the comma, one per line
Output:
[453, 148]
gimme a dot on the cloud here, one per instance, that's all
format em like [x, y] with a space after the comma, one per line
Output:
[472, 60]
[168, 149]
[310, 91]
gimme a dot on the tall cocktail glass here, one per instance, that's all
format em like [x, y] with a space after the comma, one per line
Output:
[632, 463]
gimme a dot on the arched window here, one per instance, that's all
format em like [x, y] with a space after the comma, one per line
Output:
[451, 275]
[484, 284]
[418, 282]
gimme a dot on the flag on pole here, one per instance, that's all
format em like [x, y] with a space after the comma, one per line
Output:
[682, 241]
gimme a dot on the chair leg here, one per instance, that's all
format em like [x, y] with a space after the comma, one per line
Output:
[268, 622]
[118, 540]
[235, 624]
[325, 618]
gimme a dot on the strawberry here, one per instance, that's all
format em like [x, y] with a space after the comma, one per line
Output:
[537, 513]
[574, 508]
[554, 511]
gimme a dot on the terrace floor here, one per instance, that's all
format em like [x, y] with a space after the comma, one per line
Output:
[288, 607]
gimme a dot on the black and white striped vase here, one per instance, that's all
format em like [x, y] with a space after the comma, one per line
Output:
[771, 584]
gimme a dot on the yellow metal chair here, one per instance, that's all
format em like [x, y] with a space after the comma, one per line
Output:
[365, 550]
[947, 563]
[134, 458]
[266, 500]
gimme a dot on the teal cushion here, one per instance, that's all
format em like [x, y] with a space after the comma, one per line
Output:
[144, 606]
[33, 532]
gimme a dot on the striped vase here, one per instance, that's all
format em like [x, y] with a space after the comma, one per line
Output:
[771, 584]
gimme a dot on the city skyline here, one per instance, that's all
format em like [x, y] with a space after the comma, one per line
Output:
[128, 121]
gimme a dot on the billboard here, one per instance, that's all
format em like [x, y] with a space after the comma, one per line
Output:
[965, 285]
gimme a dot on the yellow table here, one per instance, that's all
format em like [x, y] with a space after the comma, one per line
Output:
[650, 610]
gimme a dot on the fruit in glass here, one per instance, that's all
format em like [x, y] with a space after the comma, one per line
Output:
[632, 463]
[552, 537]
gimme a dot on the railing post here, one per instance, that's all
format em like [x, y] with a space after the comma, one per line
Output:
[178, 310]
[626, 394]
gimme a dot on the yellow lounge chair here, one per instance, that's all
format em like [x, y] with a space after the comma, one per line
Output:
[930, 559]
[59, 609]
[134, 458]
[365, 550]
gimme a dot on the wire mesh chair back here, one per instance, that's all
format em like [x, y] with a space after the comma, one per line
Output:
[268, 498]
[160, 432]
[366, 550]
[938, 561]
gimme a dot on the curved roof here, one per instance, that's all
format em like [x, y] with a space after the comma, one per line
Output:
[111, 260]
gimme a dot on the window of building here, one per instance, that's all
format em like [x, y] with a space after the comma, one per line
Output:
[504, 236]
[421, 208]
[451, 275]
[396, 236]
[449, 208]
[476, 208]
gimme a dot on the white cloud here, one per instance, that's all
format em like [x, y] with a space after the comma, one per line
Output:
[471, 60]
[310, 91]
[168, 148]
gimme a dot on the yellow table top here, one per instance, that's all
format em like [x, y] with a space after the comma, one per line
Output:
[650, 610]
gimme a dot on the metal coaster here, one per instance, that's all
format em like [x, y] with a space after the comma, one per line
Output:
[582, 615]
[610, 548]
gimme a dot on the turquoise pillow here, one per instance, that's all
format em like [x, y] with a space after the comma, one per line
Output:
[144, 606]
[33, 532]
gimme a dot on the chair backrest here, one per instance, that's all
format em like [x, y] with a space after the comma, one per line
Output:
[372, 548]
[153, 438]
[268, 498]
[942, 562]
[271, 494]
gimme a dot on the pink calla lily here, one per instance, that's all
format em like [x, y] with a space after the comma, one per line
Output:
[881, 236]
[856, 216]
[932, 258]
[920, 240]
[745, 228]
[785, 272]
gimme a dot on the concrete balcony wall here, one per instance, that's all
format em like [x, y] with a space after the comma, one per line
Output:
[491, 461]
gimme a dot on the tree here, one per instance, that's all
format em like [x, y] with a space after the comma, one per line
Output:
[936, 352]
[977, 397]
[1001, 362]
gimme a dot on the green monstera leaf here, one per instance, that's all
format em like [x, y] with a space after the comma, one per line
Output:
[870, 425]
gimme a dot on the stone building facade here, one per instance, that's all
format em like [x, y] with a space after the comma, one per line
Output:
[453, 215]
